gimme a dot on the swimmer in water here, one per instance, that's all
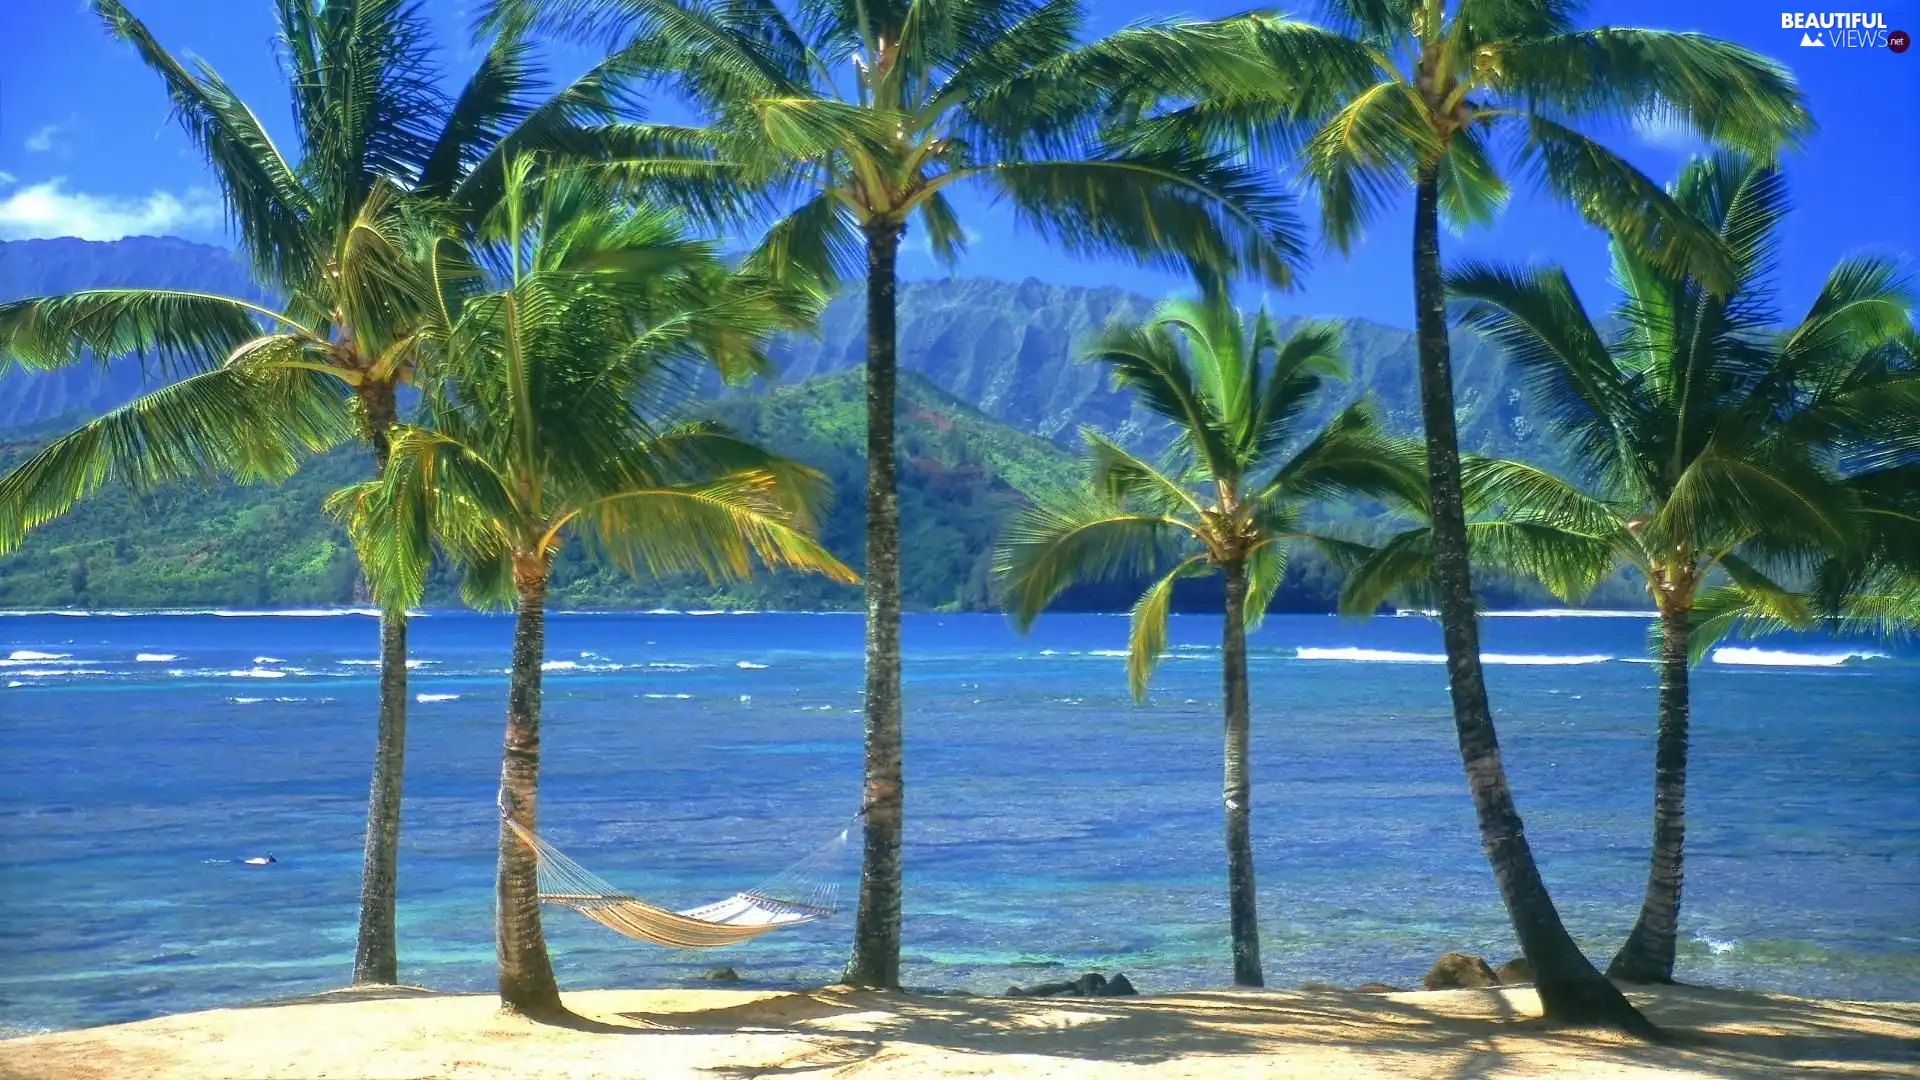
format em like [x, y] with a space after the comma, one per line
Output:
[258, 861]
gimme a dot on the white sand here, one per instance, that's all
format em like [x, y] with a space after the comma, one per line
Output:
[736, 1035]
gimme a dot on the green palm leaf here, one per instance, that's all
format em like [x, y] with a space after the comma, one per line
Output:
[265, 198]
[177, 329]
[252, 419]
[1047, 547]
[1147, 625]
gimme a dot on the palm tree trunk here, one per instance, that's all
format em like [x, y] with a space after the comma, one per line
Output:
[1242, 913]
[520, 946]
[875, 961]
[1647, 957]
[1571, 989]
[375, 954]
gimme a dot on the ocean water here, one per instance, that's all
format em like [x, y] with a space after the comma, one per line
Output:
[1053, 826]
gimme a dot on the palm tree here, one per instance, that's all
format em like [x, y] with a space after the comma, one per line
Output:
[576, 321]
[1726, 457]
[385, 158]
[859, 116]
[1421, 94]
[1229, 499]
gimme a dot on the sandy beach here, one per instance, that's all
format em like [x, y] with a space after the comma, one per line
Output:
[417, 1035]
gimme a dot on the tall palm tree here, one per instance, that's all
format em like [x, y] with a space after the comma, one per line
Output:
[1726, 457]
[1229, 500]
[856, 117]
[580, 314]
[381, 150]
[1421, 94]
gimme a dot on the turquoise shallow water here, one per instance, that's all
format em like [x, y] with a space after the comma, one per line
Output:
[1053, 826]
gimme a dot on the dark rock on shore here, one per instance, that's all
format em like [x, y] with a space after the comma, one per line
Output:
[1514, 971]
[1092, 984]
[721, 974]
[1459, 971]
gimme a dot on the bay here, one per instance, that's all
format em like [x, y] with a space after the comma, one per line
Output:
[1053, 825]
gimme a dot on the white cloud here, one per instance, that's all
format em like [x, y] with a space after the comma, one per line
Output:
[6, 178]
[46, 210]
[42, 141]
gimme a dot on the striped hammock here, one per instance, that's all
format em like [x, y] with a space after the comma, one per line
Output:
[803, 892]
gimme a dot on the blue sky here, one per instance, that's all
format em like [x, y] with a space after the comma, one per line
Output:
[87, 147]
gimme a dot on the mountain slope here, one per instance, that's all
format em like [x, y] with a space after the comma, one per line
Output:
[1010, 350]
[961, 474]
[52, 267]
[990, 404]
[1007, 349]
[234, 546]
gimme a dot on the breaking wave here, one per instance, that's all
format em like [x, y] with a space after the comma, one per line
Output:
[1393, 656]
[1747, 656]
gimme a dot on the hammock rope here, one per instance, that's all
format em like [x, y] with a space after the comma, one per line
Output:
[806, 891]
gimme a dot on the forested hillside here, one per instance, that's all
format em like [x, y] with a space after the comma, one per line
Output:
[233, 546]
[1005, 348]
[992, 403]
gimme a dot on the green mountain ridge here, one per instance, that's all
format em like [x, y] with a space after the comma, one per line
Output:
[1005, 348]
[991, 401]
[1009, 349]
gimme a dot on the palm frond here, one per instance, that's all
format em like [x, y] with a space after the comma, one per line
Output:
[1864, 302]
[1350, 456]
[1471, 191]
[1613, 194]
[252, 419]
[1723, 499]
[177, 330]
[266, 201]
[495, 98]
[946, 237]
[1302, 365]
[1179, 211]
[1266, 570]
[1126, 480]
[1496, 485]
[1539, 324]
[1750, 604]
[1046, 547]
[1147, 625]
[709, 52]
[1725, 93]
[818, 243]
[1404, 563]
[717, 528]
[1144, 359]
[1365, 153]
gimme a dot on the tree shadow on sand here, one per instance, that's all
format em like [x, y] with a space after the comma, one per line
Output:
[1464, 1033]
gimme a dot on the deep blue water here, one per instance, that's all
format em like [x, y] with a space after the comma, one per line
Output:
[1052, 825]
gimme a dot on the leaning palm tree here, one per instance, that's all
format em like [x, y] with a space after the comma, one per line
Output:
[1422, 94]
[567, 335]
[1726, 459]
[1230, 500]
[335, 233]
[857, 117]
